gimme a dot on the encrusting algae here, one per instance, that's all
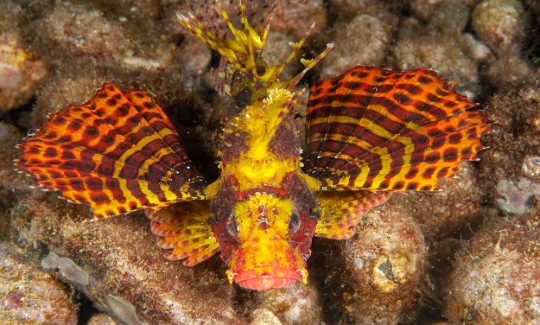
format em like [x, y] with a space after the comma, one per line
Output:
[370, 132]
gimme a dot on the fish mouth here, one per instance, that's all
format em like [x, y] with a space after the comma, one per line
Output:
[257, 279]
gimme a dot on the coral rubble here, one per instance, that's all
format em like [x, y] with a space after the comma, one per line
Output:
[501, 25]
[117, 265]
[12, 184]
[509, 168]
[495, 279]
[101, 319]
[21, 72]
[365, 41]
[295, 304]
[31, 296]
[442, 52]
[379, 274]
[449, 246]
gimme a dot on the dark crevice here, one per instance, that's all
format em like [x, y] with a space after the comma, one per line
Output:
[20, 117]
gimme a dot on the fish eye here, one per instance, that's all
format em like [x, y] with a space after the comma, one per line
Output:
[232, 225]
[261, 70]
[294, 223]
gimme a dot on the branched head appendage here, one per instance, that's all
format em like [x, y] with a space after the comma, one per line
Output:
[244, 53]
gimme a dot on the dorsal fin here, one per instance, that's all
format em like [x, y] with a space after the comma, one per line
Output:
[244, 52]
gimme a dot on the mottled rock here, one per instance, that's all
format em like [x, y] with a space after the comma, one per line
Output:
[428, 49]
[500, 24]
[123, 35]
[426, 10]
[76, 29]
[296, 304]
[365, 40]
[455, 209]
[195, 56]
[21, 72]
[264, 317]
[506, 166]
[12, 184]
[101, 319]
[450, 17]
[296, 17]
[385, 11]
[118, 266]
[496, 280]
[378, 275]
[136, 9]
[509, 74]
[31, 296]
[475, 49]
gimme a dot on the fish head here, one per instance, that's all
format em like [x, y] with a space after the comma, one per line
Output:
[272, 237]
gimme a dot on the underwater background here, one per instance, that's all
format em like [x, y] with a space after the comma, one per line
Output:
[469, 254]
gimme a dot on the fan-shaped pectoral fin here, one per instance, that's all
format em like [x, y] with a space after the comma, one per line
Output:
[182, 229]
[341, 211]
[116, 153]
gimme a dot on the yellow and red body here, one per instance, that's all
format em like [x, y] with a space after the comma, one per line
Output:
[369, 131]
[262, 202]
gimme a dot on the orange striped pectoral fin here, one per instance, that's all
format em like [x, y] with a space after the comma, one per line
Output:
[341, 211]
[117, 153]
[182, 229]
[377, 129]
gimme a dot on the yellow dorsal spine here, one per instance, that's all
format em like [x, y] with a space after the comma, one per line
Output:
[245, 50]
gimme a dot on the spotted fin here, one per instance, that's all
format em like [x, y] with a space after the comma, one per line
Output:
[378, 129]
[183, 228]
[341, 211]
[116, 153]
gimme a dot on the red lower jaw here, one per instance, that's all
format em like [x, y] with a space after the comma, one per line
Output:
[266, 282]
[280, 277]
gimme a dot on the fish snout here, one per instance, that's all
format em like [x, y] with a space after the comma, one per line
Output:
[261, 280]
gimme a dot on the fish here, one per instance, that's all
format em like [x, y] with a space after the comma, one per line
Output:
[370, 132]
